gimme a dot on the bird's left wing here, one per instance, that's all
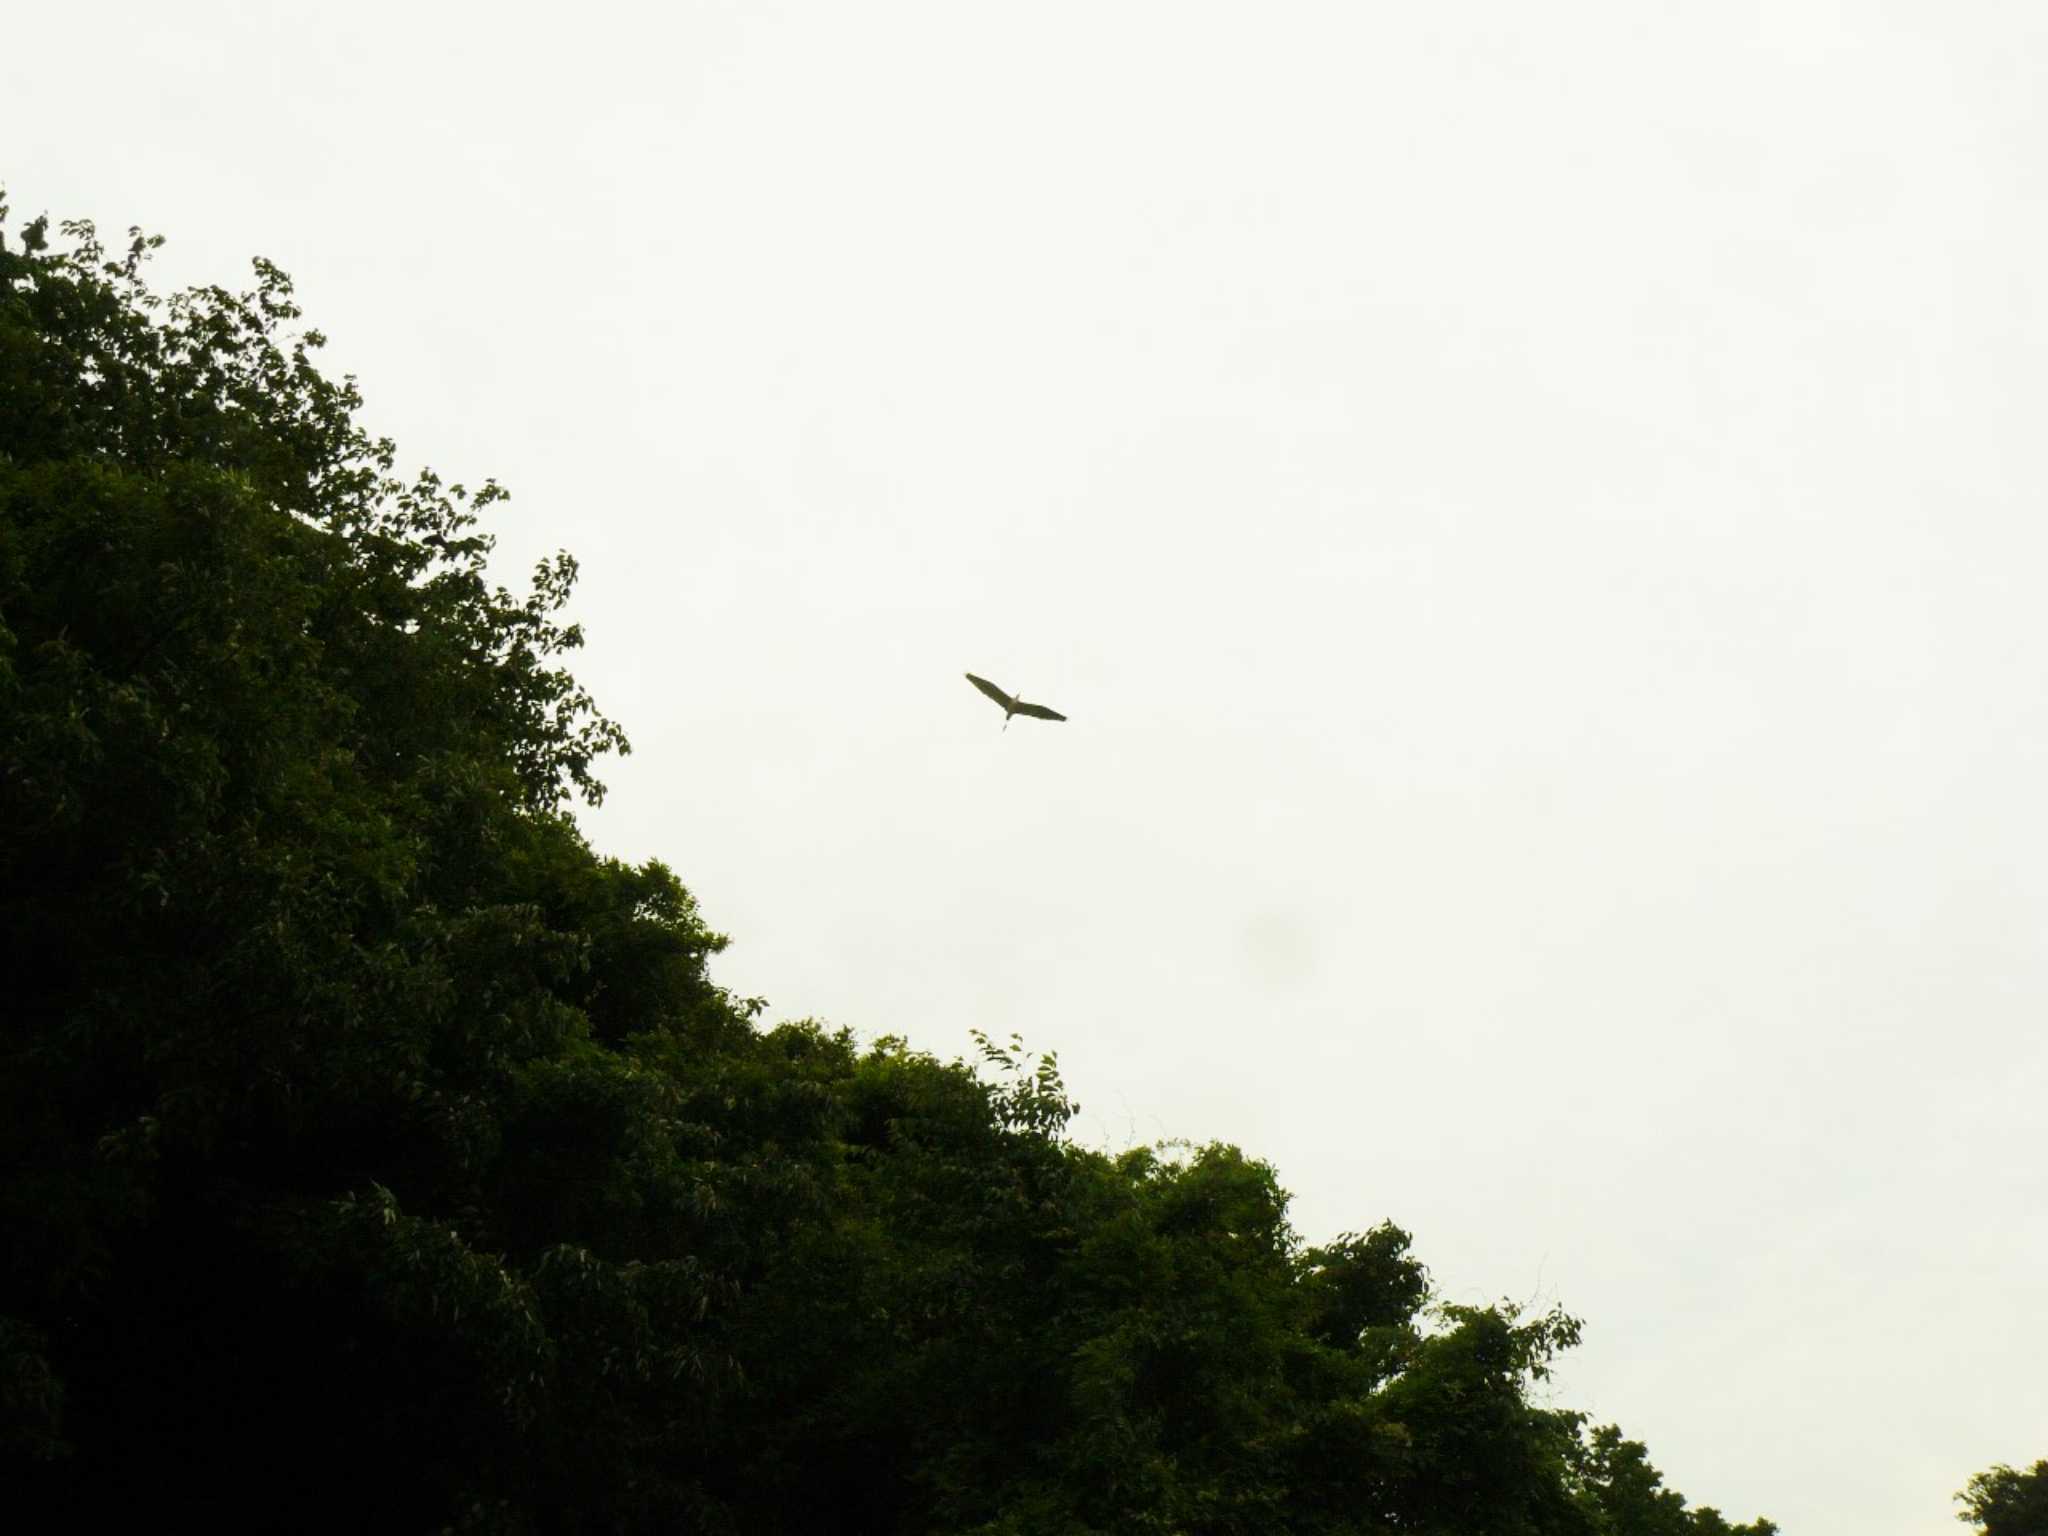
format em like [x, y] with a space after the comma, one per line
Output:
[990, 689]
[1038, 711]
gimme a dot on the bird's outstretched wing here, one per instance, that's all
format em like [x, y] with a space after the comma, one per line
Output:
[990, 689]
[1038, 711]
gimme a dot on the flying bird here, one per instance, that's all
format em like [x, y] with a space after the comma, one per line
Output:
[1012, 705]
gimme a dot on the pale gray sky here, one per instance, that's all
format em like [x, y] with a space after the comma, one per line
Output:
[1535, 513]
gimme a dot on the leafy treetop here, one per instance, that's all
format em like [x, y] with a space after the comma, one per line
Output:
[380, 1156]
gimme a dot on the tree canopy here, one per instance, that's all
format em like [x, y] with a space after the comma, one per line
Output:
[378, 1155]
[2003, 1502]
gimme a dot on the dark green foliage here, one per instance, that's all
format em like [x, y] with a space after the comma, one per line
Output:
[1632, 1499]
[2007, 1503]
[379, 1157]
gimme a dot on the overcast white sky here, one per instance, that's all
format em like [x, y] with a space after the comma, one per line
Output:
[1534, 511]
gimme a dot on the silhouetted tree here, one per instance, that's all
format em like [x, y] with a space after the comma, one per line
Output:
[379, 1157]
[2007, 1503]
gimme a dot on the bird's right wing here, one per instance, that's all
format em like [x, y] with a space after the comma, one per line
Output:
[1038, 711]
[990, 689]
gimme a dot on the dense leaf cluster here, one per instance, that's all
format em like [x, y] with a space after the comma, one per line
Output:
[379, 1157]
[2005, 1502]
